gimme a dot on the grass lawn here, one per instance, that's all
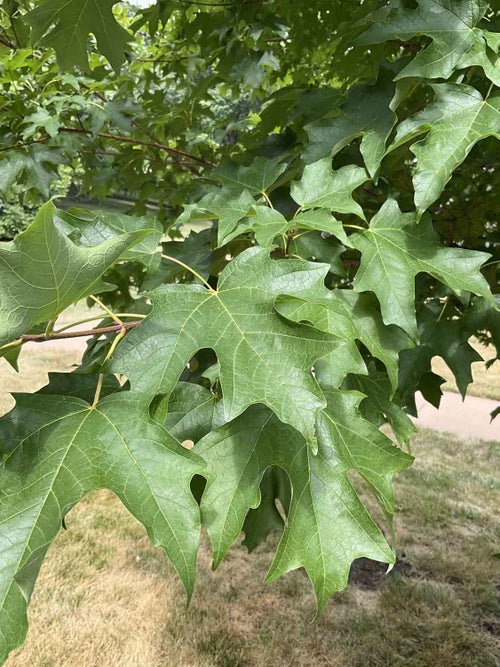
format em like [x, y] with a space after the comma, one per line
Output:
[106, 597]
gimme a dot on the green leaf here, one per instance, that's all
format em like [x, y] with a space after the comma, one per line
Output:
[457, 119]
[332, 369]
[228, 208]
[315, 247]
[65, 25]
[450, 23]
[328, 526]
[59, 449]
[36, 166]
[11, 356]
[97, 227]
[79, 385]
[266, 518]
[193, 411]
[482, 317]
[257, 177]
[268, 223]
[447, 339]
[322, 221]
[378, 407]
[394, 249]
[42, 272]
[263, 358]
[321, 187]
[365, 114]
[41, 119]
[350, 317]
[195, 251]
[483, 56]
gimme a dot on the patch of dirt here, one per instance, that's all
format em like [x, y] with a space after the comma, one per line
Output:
[369, 575]
[493, 627]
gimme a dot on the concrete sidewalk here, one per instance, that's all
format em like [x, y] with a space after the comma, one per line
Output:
[469, 418]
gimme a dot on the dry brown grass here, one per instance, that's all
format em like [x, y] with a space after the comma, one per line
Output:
[93, 606]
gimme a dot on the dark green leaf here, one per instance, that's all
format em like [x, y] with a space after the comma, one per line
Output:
[42, 272]
[65, 25]
[456, 119]
[366, 114]
[450, 23]
[263, 358]
[395, 249]
[350, 317]
[59, 449]
[321, 187]
[328, 526]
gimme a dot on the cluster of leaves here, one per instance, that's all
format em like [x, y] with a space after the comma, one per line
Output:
[344, 175]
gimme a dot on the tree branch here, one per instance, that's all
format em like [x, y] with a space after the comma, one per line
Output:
[8, 43]
[42, 338]
[138, 142]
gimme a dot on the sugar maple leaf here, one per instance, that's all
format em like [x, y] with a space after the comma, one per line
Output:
[57, 449]
[452, 25]
[42, 272]
[263, 358]
[327, 525]
[453, 122]
[65, 25]
[394, 249]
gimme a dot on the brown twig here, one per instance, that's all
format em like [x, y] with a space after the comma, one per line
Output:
[288, 240]
[23, 144]
[41, 338]
[139, 142]
[8, 43]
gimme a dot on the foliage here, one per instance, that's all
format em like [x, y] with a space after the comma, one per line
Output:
[343, 171]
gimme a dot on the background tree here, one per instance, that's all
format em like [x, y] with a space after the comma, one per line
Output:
[341, 156]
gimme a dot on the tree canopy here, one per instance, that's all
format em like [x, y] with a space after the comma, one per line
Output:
[311, 196]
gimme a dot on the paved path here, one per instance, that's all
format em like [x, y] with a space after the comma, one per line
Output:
[470, 418]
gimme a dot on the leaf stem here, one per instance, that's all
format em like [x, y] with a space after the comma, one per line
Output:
[108, 356]
[11, 346]
[266, 197]
[188, 268]
[50, 327]
[441, 312]
[308, 231]
[98, 389]
[287, 239]
[363, 229]
[114, 317]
